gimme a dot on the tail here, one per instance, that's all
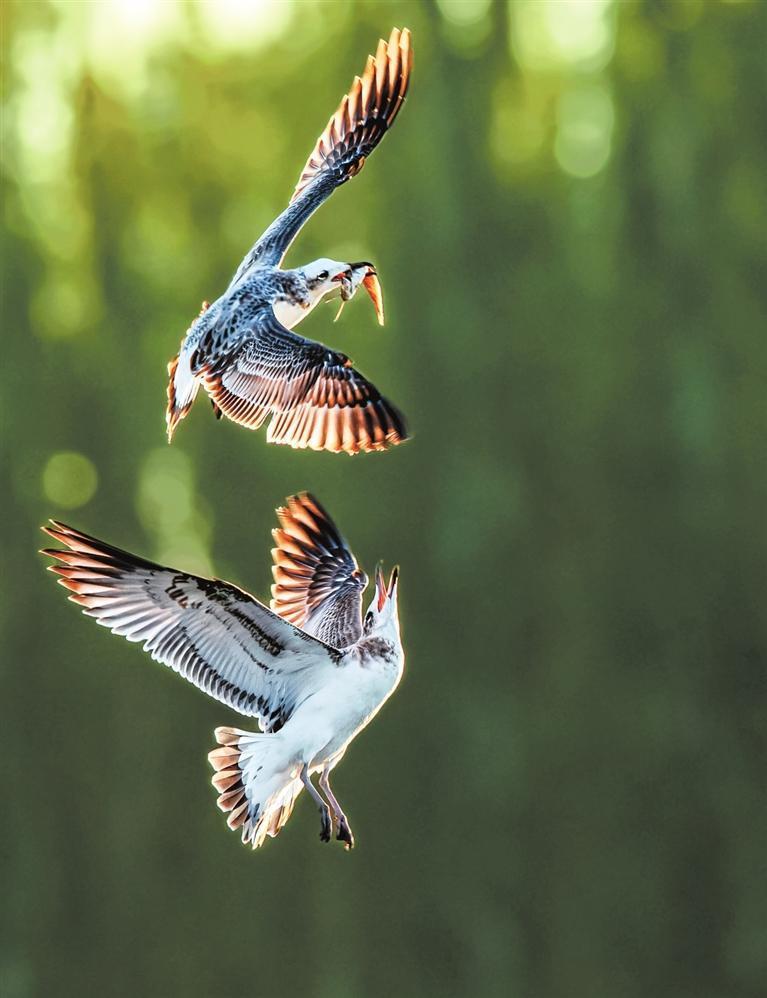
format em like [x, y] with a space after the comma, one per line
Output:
[182, 391]
[257, 786]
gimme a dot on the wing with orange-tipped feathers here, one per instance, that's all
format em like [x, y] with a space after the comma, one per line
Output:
[314, 396]
[318, 585]
[363, 117]
[217, 636]
[364, 114]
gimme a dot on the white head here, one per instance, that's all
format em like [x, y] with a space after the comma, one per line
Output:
[382, 618]
[324, 275]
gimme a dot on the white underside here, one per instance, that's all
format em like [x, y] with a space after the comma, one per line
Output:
[291, 313]
[318, 732]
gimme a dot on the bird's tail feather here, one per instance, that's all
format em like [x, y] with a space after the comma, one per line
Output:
[257, 785]
[182, 391]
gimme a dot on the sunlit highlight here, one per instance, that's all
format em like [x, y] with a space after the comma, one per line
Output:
[556, 35]
[243, 24]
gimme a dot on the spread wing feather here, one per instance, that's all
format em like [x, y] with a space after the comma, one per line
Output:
[315, 397]
[215, 635]
[363, 117]
[318, 585]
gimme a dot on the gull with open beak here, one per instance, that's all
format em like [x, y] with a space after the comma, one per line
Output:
[310, 669]
[241, 350]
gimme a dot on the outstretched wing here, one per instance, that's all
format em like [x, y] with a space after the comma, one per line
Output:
[215, 635]
[363, 117]
[315, 397]
[318, 585]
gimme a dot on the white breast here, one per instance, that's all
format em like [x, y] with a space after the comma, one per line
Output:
[325, 723]
[290, 314]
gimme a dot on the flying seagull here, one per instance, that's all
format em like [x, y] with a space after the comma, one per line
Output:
[309, 669]
[240, 348]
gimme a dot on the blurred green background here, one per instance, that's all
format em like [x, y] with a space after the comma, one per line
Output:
[566, 797]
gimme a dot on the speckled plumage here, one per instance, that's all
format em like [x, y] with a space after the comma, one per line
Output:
[241, 349]
[317, 583]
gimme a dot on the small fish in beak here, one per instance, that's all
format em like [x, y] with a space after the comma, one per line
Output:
[365, 274]
[343, 277]
[348, 286]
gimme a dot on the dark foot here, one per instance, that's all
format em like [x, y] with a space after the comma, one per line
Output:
[345, 833]
[327, 827]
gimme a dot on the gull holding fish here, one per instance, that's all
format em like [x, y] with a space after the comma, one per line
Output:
[241, 350]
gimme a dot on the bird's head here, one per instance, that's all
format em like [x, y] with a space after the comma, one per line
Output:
[382, 617]
[324, 276]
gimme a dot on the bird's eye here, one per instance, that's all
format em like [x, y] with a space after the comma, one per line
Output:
[368, 620]
[323, 275]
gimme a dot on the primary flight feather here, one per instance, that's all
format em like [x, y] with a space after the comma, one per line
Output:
[241, 349]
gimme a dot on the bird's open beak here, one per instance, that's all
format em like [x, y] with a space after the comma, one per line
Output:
[373, 287]
[384, 592]
[381, 593]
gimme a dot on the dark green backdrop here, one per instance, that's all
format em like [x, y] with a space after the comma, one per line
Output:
[566, 797]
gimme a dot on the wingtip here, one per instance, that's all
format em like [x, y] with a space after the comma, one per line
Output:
[304, 497]
[57, 532]
[385, 79]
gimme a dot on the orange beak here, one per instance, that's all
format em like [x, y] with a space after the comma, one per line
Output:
[373, 287]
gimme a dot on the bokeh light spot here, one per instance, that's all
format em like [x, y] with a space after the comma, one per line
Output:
[243, 24]
[187, 547]
[59, 308]
[552, 35]
[165, 489]
[70, 479]
[167, 505]
[467, 23]
[584, 130]
[463, 12]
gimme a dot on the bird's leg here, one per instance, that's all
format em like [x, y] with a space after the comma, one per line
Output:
[344, 833]
[327, 825]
